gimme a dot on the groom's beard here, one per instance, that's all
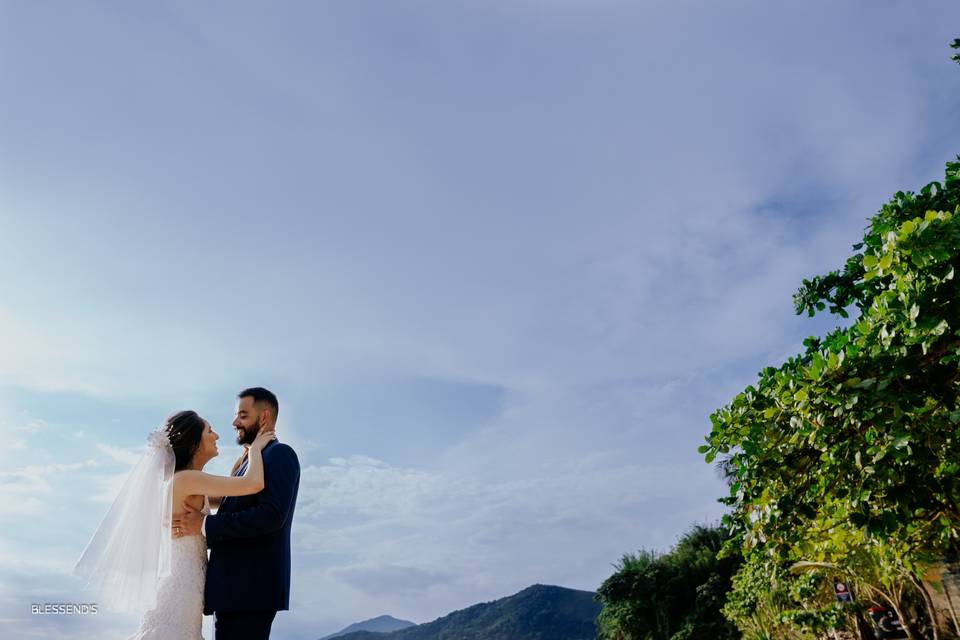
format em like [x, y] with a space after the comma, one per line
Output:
[248, 435]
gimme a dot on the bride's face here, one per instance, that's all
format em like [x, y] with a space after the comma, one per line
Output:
[208, 443]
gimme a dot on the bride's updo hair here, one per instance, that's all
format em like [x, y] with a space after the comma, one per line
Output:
[184, 430]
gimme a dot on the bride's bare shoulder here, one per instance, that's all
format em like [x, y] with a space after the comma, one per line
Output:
[185, 475]
[185, 480]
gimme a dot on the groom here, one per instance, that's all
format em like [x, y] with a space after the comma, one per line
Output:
[248, 575]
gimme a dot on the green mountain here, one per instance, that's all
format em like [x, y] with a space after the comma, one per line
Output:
[540, 612]
[380, 623]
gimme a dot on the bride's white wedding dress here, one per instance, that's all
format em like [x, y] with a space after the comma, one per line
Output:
[179, 611]
[133, 563]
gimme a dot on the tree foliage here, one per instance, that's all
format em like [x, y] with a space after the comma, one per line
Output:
[861, 430]
[770, 602]
[846, 456]
[672, 596]
[849, 452]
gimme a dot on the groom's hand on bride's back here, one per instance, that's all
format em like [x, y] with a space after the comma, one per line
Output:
[188, 523]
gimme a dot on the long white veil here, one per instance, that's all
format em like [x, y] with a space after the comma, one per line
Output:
[130, 551]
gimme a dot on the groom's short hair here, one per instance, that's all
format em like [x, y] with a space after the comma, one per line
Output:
[262, 396]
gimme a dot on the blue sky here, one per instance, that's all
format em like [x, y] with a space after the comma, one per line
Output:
[499, 261]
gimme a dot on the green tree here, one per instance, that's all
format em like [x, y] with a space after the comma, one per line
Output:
[860, 432]
[772, 601]
[672, 596]
[848, 454]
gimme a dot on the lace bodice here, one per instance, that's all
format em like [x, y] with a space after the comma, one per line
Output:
[179, 611]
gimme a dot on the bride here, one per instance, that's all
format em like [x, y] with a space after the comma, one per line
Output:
[134, 560]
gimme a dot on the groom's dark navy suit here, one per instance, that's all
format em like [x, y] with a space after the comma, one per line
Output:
[248, 575]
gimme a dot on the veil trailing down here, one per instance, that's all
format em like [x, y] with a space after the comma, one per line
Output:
[131, 550]
[133, 562]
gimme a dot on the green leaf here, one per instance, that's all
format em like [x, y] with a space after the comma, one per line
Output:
[833, 360]
[859, 519]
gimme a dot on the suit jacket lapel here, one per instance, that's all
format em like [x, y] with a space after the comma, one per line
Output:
[242, 469]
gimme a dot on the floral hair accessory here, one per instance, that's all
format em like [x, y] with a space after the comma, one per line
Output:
[159, 439]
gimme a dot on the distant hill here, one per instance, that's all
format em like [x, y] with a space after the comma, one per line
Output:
[540, 612]
[380, 623]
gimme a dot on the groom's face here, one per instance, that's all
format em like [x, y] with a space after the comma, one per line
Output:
[248, 420]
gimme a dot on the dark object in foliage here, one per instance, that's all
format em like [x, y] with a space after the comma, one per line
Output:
[886, 624]
[842, 591]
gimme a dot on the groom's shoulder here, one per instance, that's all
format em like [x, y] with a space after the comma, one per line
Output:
[280, 450]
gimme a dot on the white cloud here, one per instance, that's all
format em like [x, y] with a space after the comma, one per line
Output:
[30, 424]
[107, 487]
[36, 476]
[29, 490]
[370, 523]
[379, 580]
[121, 455]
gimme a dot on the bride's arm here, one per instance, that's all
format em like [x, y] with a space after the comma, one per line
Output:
[193, 482]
